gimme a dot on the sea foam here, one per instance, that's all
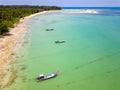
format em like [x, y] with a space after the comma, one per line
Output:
[89, 11]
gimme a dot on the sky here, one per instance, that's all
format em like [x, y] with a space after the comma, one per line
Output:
[63, 3]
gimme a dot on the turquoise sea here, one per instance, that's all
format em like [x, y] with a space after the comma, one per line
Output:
[88, 60]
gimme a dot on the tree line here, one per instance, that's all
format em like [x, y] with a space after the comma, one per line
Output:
[12, 14]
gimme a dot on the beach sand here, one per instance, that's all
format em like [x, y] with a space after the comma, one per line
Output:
[8, 46]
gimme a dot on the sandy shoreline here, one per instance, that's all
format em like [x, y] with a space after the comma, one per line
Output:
[8, 44]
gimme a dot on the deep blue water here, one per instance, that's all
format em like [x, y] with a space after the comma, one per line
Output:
[113, 8]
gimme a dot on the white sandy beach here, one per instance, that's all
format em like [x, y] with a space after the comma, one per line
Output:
[8, 44]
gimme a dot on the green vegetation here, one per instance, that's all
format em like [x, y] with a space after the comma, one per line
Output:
[11, 14]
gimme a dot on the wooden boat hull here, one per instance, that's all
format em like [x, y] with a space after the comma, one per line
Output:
[58, 41]
[48, 76]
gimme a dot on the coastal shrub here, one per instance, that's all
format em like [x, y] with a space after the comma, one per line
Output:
[3, 28]
[11, 14]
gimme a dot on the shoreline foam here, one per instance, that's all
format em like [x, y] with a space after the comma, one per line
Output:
[82, 11]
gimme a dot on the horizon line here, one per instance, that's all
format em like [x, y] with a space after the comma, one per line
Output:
[63, 6]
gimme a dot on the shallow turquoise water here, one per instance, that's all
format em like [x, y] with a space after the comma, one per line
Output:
[88, 60]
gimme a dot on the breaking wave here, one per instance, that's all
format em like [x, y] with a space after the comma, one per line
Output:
[86, 11]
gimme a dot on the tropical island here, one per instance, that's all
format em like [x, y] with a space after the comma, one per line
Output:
[9, 15]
